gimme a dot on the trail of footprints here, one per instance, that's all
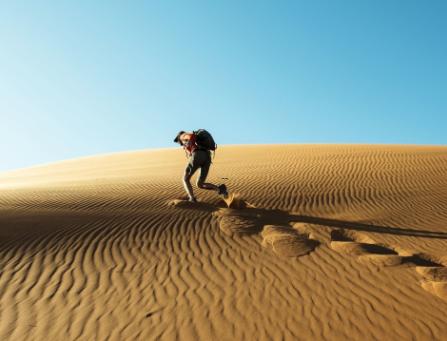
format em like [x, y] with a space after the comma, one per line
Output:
[295, 240]
[283, 240]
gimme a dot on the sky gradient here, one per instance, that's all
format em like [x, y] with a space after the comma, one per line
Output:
[88, 77]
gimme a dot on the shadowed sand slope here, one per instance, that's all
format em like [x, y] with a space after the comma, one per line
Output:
[320, 242]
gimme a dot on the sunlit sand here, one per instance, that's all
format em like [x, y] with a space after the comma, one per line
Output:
[315, 242]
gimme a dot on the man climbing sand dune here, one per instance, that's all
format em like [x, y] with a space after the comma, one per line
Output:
[198, 146]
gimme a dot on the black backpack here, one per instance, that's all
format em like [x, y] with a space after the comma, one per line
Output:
[204, 140]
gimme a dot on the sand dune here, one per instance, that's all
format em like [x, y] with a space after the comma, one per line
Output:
[327, 242]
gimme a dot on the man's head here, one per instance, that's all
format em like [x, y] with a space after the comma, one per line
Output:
[177, 138]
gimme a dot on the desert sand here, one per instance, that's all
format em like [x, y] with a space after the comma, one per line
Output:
[321, 242]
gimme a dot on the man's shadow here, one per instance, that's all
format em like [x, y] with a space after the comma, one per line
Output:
[263, 217]
[287, 218]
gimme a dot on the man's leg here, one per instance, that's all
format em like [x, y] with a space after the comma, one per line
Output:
[203, 174]
[207, 185]
[189, 171]
[221, 189]
[188, 187]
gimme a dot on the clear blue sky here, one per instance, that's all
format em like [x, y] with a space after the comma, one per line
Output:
[86, 77]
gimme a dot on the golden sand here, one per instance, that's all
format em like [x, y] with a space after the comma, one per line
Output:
[327, 242]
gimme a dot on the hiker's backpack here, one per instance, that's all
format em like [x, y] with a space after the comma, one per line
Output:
[205, 140]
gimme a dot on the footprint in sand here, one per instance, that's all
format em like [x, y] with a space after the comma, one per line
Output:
[286, 241]
[182, 203]
[235, 221]
[281, 239]
[234, 200]
[434, 275]
[242, 218]
[236, 218]
[363, 247]
[239, 216]
[433, 272]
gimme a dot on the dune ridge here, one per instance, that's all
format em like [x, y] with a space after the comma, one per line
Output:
[325, 242]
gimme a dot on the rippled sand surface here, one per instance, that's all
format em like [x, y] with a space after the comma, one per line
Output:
[319, 242]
